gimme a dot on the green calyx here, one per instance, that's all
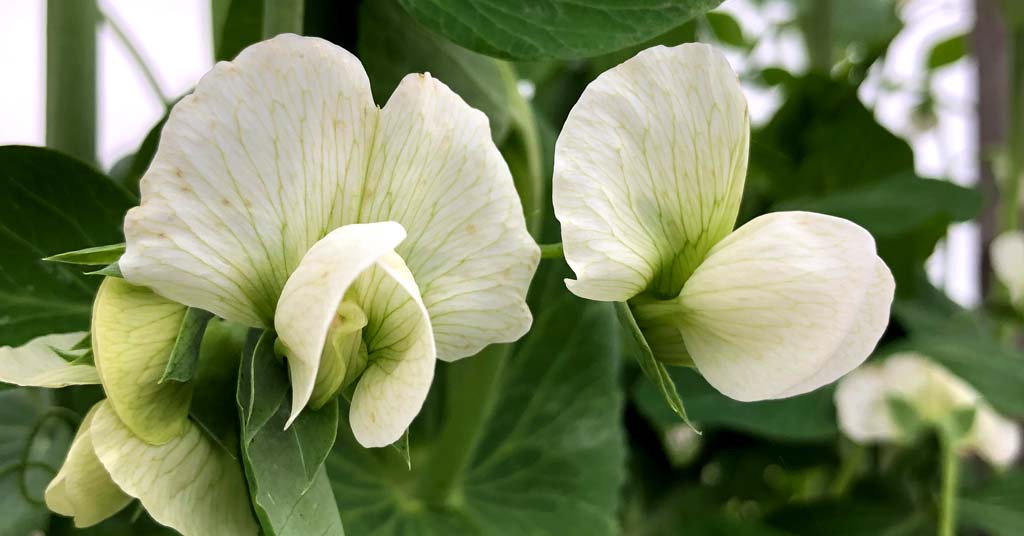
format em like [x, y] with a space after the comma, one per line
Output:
[661, 323]
[344, 356]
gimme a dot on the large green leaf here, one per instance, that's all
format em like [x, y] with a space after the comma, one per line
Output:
[35, 431]
[997, 507]
[806, 417]
[236, 25]
[550, 460]
[392, 44]
[50, 204]
[284, 467]
[536, 29]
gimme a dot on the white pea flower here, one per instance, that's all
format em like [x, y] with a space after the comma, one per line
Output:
[373, 240]
[649, 173]
[1007, 253]
[864, 404]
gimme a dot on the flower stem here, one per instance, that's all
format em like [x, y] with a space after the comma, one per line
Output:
[71, 78]
[282, 16]
[950, 477]
[470, 392]
[551, 251]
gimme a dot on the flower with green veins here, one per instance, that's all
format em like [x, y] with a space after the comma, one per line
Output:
[374, 240]
[1007, 253]
[867, 400]
[649, 173]
[40, 363]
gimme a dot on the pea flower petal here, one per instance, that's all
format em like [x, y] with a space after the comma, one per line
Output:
[357, 263]
[1007, 252]
[778, 307]
[83, 488]
[133, 333]
[649, 171]
[864, 410]
[37, 363]
[283, 145]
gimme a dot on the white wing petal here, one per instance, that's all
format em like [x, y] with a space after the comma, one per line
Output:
[402, 355]
[436, 171]
[261, 161]
[997, 439]
[1007, 253]
[37, 364]
[649, 171]
[189, 483]
[312, 294]
[775, 301]
[133, 333]
[862, 406]
[82, 488]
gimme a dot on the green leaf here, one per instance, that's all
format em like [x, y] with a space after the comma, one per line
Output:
[947, 51]
[537, 29]
[726, 29]
[808, 417]
[219, 360]
[237, 24]
[185, 354]
[550, 458]
[130, 169]
[36, 431]
[288, 484]
[49, 204]
[851, 518]
[392, 44]
[997, 507]
[659, 377]
[90, 256]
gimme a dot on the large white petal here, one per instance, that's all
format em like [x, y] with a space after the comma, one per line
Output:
[869, 326]
[261, 161]
[1007, 252]
[402, 354]
[312, 294]
[37, 363]
[133, 334]
[649, 171]
[775, 301]
[189, 483]
[436, 171]
[82, 488]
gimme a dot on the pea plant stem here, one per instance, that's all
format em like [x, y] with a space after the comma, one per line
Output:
[283, 16]
[950, 482]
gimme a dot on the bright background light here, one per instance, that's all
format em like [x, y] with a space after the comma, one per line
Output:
[173, 36]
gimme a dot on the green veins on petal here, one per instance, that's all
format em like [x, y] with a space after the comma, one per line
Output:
[133, 334]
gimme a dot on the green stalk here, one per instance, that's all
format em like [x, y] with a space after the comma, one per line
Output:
[950, 482]
[551, 251]
[71, 77]
[282, 16]
[470, 393]
[1010, 209]
[817, 29]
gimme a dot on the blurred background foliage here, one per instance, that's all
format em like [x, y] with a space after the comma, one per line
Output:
[573, 440]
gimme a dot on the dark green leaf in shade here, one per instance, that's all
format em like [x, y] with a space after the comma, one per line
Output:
[565, 29]
[996, 507]
[655, 371]
[90, 256]
[947, 51]
[852, 518]
[726, 29]
[392, 45]
[50, 204]
[808, 417]
[185, 355]
[550, 460]
[220, 355]
[236, 25]
[284, 468]
[129, 170]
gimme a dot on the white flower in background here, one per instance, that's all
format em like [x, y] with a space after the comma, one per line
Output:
[373, 240]
[864, 400]
[649, 173]
[1007, 253]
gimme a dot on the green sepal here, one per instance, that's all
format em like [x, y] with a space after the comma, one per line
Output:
[90, 256]
[185, 355]
[906, 418]
[636, 344]
[111, 270]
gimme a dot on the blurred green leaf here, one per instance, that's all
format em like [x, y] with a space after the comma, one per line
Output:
[947, 51]
[32, 430]
[236, 25]
[392, 45]
[538, 29]
[851, 518]
[726, 29]
[997, 507]
[289, 487]
[550, 460]
[808, 417]
[129, 170]
[50, 204]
